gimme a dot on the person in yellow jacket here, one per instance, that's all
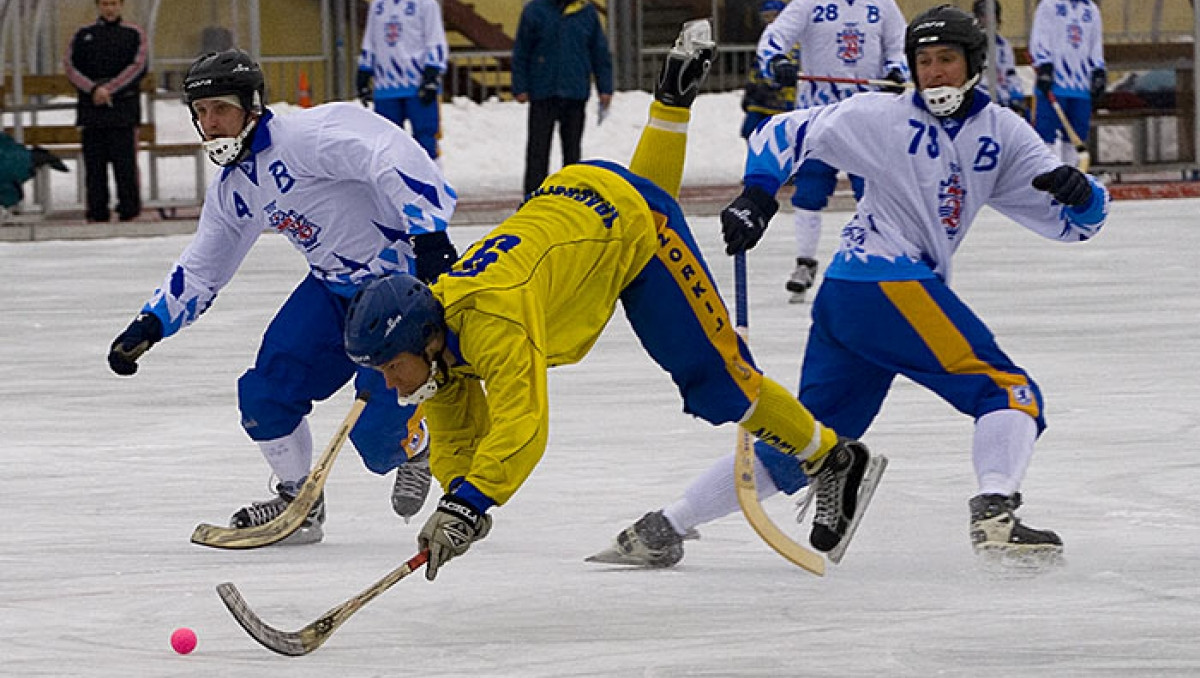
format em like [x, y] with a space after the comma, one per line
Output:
[537, 292]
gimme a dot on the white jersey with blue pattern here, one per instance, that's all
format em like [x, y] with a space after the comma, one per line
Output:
[861, 39]
[401, 39]
[926, 179]
[343, 184]
[1069, 35]
[1009, 84]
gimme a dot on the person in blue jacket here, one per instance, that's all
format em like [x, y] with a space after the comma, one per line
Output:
[560, 48]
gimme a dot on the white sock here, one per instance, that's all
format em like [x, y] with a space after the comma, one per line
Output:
[290, 457]
[714, 495]
[808, 233]
[1001, 450]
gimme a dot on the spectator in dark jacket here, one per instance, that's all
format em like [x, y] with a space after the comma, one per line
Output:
[560, 47]
[106, 62]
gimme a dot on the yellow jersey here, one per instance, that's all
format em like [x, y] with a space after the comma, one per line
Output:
[534, 293]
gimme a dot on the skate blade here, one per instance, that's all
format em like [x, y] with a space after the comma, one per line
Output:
[803, 503]
[796, 298]
[866, 492]
[303, 536]
[1007, 559]
[695, 36]
[614, 556]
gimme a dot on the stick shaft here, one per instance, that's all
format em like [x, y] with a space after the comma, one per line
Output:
[743, 468]
[871, 82]
[1085, 158]
[314, 634]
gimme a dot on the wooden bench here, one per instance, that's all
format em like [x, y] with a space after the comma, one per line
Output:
[1145, 140]
[66, 139]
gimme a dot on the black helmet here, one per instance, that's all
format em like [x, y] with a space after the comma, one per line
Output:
[947, 24]
[389, 316]
[224, 73]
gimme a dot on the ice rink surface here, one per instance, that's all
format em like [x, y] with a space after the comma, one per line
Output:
[103, 479]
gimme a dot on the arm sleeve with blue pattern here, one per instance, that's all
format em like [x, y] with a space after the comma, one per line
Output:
[1015, 197]
[205, 266]
[436, 49]
[780, 35]
[894, 27]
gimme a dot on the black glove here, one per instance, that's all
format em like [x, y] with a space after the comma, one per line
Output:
[753, 96]
[40, 157]
[362, 84]
[145, 331]
[430, 84]
[784, 71]
[745, 220]
[450, 531]
[435, 255]
[1045, 78]
[1067, 184]
[897, 77]
[1099, 83]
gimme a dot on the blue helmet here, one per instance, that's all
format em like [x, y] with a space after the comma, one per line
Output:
[389, 316]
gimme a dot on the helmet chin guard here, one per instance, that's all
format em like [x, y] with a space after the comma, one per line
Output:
[424, 391]
[226, 151]
[944, 101]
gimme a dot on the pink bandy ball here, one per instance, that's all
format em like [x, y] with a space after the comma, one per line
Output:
[183, 640]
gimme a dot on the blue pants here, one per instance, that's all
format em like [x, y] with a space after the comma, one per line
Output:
[1047, 124]
[302, 359]
[679, 317]
[815, 181]
[424, 118]
[865, 333]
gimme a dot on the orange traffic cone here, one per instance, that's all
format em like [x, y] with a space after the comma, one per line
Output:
[304, 93]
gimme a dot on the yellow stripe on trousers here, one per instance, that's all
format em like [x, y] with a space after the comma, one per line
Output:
[701, 294]
[948, 345]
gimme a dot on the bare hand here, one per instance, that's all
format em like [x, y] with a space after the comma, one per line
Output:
[101, 96]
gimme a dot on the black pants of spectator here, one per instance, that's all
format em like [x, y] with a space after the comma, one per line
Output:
[116, 146]
[543, 114]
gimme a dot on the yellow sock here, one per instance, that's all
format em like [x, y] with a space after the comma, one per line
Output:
[662, 147]
[779, 420]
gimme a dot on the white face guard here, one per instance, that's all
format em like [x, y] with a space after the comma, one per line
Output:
[424, 391]
[943, 101]
[225, 151]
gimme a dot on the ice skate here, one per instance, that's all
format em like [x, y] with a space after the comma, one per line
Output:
[687, 65]
[411, 486]
[262, 512]
[651, 542]
[802, 279]
[999, 535]
[843, 482]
